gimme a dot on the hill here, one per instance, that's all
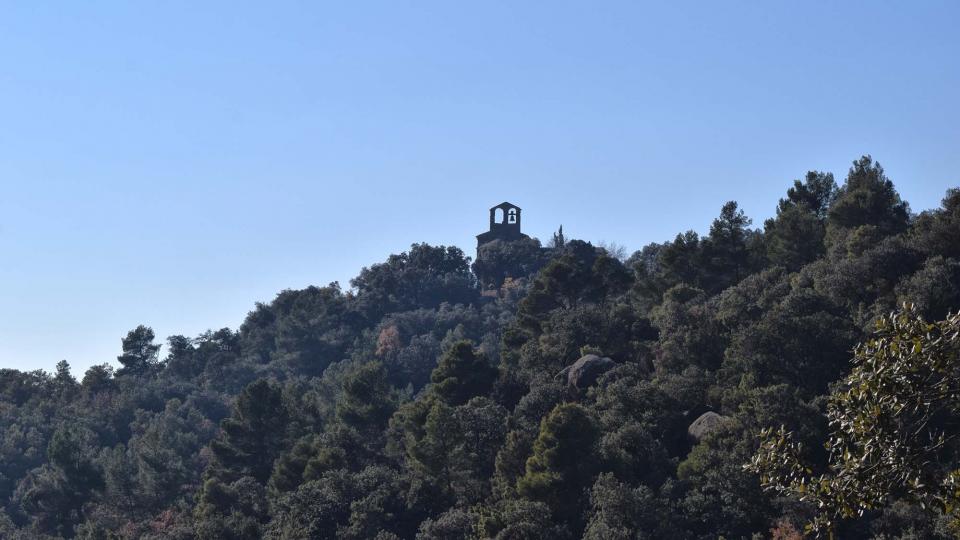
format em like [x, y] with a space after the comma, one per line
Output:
[413, 405]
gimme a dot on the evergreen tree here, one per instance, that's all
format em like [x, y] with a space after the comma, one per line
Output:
[557, 241]
[254, 434]
[562, 464]
[139, 352]
[462, 374]
[867, 204]
[681, 261]
[55, 494]
[726, 249]
[366, 401]
[795, 236]
[63, 380]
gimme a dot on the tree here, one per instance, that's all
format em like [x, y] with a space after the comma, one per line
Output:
[366, 402]
[139, 352]
[562, 464]
[181, 359]
[582, 275]
[619, 512]
[232, 502]
[55, 494]
[70, 451]
[254, 434]
[313, 328]
[501, 259]
[934, 289]
[716, 497]
[815, 194]
[462, 374]
[800, 340]
[795, 236]
[558, 240]
[425, 276]
[63, 380]
[483, 427]
[681, 261]
[230, 510]
[98, 378]
[937, 232]
[165, 451]
[439, 454]
[867, 199]
[425, 435]
[726, 248]
[641, 425]
[518, 519]
[454, 524]
[894, 427]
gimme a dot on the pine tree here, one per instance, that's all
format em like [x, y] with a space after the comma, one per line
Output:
[562, 464]
[139, 351]
[462, 374]
[367, 401]
[254, 434]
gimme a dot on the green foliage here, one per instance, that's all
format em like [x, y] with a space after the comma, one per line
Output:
[892, 427]
[165, 453]
[54, 494]
[729, 253]
[562, 464]
[139, 352]
[867, 203]
[499, 260]
[425, 276]
[462, 374]
[934, 289]
[815, 194]
[253, 435]
[937, 232]
[98, 378]
[413, 406]
[366, 402]
[313, 330]
[726, 250]
[558, 240]
[869, 198]
[619, 512]
[716, 496]
[449, 451]
[230, 510]
[641, 427]
[681, 261]
[454, 524]
[521, 520]
[796, 236]
[580, 274]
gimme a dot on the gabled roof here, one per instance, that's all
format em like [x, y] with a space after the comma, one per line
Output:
[505, 205]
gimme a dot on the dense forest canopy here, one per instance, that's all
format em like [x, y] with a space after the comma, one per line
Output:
[708, 386]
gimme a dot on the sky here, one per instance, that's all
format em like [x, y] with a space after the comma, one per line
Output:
[173, 163]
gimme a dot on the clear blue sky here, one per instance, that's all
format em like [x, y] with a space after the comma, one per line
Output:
[171, 163]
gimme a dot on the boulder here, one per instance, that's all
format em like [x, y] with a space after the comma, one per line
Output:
[707, 422]
[585, 371]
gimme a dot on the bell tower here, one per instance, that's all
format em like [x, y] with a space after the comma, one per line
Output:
[504, 224]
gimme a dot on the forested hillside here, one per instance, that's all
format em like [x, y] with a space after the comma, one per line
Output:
[411, 405]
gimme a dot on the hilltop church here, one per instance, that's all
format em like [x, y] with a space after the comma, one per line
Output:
[504, 225]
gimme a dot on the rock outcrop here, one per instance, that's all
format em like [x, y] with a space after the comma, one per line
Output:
[707, 422]
[585, 371]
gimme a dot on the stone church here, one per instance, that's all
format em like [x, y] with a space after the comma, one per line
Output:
[504, 224]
